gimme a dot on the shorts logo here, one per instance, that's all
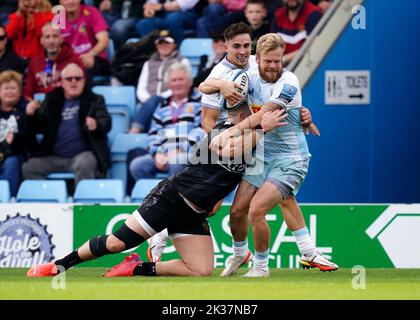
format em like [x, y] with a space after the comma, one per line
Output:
[287, 94]
[24, 242]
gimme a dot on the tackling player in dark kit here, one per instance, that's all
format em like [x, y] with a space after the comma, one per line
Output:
[181, 204]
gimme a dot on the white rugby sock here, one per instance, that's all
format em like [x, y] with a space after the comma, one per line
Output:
[240, 248]
[304, 242]
[261, 259]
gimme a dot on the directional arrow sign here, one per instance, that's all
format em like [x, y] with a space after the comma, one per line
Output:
[347, 87]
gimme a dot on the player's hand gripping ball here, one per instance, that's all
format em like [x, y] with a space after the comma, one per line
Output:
[240, 78]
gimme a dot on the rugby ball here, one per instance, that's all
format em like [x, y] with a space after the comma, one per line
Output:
[241, 78]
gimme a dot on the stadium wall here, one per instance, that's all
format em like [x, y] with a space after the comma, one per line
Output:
[373, 236]
[369, 153]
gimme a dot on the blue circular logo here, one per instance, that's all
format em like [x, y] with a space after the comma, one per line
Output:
[24, 242]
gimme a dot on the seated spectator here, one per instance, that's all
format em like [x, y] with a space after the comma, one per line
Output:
[42, 6]
[324, 5]
[44, 71]
[86, 31]
[294, 22]
[6, 8]
[122, 16]
[151, 77]
[24, 28]
[256, 13]
[75, 123]
[218, 15]
[208, 63]
[13, 140]
[151, 89]
[172, 121]
[8, 59]
[175, 15]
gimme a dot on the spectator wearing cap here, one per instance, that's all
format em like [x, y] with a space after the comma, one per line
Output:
[151, 88]
[175, 15]
[8, 59]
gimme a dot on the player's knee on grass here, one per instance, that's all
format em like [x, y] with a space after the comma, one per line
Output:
[202, 270]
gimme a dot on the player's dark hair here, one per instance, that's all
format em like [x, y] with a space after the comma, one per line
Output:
[235, 29]
[261, 2]
[2, 27]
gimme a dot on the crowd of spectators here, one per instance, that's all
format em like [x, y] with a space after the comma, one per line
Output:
[62, 63]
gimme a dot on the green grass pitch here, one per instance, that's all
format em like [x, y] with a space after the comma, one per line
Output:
[87, 283]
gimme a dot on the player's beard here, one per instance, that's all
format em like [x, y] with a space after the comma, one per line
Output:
[270, 77]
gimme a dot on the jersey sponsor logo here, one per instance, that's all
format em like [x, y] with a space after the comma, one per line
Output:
[255, 108]
[287, 94]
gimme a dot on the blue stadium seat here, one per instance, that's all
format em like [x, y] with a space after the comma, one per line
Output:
[121, 105]
[194, 48]
[124, 142]
[111, 49]
[61, 176]
[39, 96]
[99, 191]
[121, 145]
[131, 40]
[4, 191]
[142, 188]
[118, 97]
[42, 191]
[120, 124]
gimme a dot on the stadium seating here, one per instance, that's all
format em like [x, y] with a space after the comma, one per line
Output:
[42, 191]
[61, 176]
[4, 191]
[121, 104]
[142, 189]
[194, 48]
[123, 97]
[99, 191]
[119, 149]
[132, 40]
[39, 96]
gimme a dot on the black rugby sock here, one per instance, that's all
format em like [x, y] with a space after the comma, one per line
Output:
[69, 261]
[145, 269]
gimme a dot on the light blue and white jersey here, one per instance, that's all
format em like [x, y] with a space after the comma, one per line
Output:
[223, 70]
[287, 143]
